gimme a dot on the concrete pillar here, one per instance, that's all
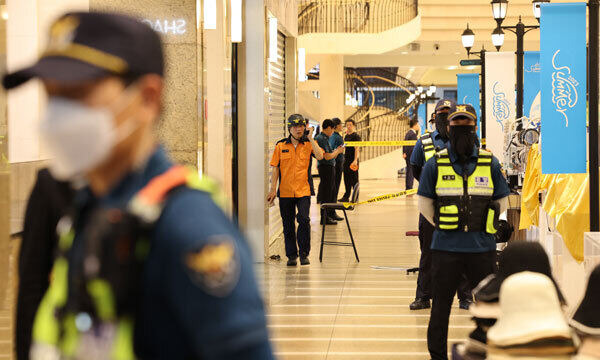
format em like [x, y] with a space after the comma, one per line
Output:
[217, 133]
[176, 22]
[253, 147]
[332, 86]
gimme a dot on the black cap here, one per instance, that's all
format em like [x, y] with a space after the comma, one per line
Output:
[445, 104]
[89, 45]
[587, 317]
[295, 120]
[518, 256]
[463, 110]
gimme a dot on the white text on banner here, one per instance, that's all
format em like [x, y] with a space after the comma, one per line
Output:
[563, 82]
[500, 107]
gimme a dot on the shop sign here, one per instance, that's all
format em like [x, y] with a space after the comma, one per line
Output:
[168, 27]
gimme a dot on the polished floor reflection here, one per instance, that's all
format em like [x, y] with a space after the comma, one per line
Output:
[341, 309]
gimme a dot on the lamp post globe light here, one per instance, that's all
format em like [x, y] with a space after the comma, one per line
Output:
[468, 39]
[537, 12]
[499, 10]
[498, 38]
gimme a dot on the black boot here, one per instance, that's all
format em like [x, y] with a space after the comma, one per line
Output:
[420, 304]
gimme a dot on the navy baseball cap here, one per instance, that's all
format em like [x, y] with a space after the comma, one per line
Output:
[463, 110]
[86, 46]
[445, 104]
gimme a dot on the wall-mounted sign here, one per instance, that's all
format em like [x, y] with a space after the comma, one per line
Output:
[168, 27]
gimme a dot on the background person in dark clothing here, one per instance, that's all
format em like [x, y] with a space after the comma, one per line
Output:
[326, 169]
[411, 134]
[336, 141]
[47, 204]
[350, 160]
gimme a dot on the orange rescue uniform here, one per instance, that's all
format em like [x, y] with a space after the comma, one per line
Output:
[293, 167]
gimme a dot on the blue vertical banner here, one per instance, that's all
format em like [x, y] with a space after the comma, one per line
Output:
[422, 113]
[531, 80]
[468, 93]
[563, 88]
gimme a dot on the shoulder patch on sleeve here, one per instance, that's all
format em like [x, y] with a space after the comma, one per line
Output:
[215, 267]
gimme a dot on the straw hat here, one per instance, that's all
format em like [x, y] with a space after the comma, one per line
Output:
[586, 319]
[530, 311]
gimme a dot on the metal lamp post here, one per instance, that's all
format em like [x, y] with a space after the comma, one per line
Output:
[499, 8]
[468, 40]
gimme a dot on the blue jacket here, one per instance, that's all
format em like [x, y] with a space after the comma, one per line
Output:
[336, 140]
[186, 312]
[323, 141]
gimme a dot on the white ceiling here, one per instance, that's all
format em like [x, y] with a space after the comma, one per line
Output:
[443, 21]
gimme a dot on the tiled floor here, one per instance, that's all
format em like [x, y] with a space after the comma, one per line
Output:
[341, 309]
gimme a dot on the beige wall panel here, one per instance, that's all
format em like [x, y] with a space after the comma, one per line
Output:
[286, 12]
[176, 21]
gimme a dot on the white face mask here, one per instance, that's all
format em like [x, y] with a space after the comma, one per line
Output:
[80, 137]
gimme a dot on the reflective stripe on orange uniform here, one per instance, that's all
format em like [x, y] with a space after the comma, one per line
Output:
[293, 166]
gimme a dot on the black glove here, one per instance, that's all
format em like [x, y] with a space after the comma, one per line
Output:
[505, 230]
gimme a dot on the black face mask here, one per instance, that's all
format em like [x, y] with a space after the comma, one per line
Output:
[462, 140]
[441, 124]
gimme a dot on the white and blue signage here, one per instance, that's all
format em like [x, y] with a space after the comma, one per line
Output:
[563, 88]
[422, 113]
[468, 93]
[531, 80]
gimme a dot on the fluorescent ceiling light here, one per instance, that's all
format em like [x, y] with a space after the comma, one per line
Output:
[236, 21]
[301, 64]
[210, 14]
[273, 39]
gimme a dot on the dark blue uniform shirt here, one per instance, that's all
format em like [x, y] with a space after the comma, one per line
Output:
[336, 140]
[418, 155]
[182, 314]
[323, 141]
[456, 241]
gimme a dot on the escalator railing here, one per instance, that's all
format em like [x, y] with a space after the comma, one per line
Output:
[354, 16]
[389, 126]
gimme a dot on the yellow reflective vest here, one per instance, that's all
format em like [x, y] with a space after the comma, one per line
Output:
[428, 147]
[464, 203]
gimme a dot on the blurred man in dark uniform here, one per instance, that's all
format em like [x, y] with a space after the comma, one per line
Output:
[148, 265]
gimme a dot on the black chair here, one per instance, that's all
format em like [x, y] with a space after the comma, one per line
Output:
[340, 206]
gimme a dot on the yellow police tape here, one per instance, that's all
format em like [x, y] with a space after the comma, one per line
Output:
[386, 143]
[381, 198]
[380, 143]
